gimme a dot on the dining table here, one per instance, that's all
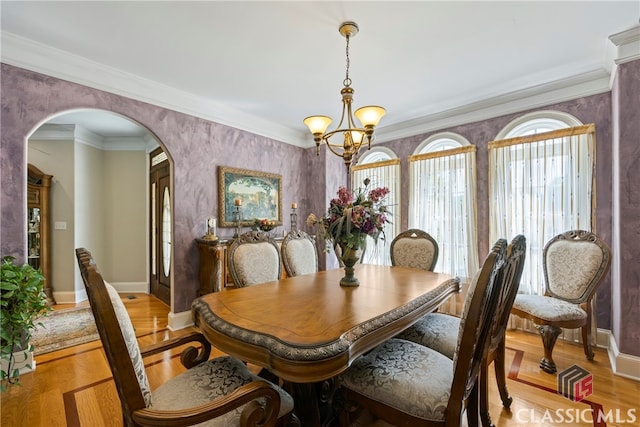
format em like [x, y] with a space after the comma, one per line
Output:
[308, 329]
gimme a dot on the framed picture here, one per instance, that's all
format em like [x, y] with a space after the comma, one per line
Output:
[258, 194]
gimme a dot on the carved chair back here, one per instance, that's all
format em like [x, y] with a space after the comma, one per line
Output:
[414, 248]
[299, 254]
[254, 257]
[574, 264]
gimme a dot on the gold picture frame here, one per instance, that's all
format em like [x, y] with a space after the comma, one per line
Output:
[259, 195]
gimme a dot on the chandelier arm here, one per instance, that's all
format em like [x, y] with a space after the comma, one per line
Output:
[328, 135]
[333, 150]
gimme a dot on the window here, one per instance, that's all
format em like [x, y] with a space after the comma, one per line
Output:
[442, 200]
[382, 167]
[541, 184]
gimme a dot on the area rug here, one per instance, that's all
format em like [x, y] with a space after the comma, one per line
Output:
[64, 328]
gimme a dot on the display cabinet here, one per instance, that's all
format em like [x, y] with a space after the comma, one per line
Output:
[38, 227]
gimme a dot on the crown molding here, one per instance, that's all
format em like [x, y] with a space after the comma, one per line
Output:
[24, 53]
[51, 132]
[626, 45]
[81, 135]
[585, 84]
[44, 59]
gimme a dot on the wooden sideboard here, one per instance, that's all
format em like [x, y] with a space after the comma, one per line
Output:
[214, 271]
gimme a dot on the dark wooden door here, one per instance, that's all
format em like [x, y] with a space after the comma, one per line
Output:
[161, 226]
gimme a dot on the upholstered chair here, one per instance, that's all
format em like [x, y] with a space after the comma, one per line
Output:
[409, 384]
[254, 258]
[574, 264]
[440, 331]
[414, 248]
[211, 392]
[299, 254]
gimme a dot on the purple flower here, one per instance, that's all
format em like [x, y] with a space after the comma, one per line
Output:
[354, 214]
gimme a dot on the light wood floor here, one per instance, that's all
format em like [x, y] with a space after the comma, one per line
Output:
[73, 387]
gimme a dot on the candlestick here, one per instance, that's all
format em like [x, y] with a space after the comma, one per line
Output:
[294, 205]
[294, 217]
[236, 218]
[238, 202]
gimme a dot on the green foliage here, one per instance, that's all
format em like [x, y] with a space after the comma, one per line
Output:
[22, 300]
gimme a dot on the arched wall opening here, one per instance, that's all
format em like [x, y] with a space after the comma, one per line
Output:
[99, 200]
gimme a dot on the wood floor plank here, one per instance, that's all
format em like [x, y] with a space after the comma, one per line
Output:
[73, 387]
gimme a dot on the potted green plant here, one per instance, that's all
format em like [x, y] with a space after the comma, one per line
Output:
[22, 301]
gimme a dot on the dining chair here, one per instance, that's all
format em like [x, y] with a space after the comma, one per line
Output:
[414, 248]
[215, 392]
[439, 331]
[574, 264]
[254, 257]
[299, 254]
[409, 384]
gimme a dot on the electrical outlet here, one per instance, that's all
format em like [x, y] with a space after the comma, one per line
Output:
[61, 225]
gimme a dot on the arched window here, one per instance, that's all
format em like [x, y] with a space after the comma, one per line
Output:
[382, 167]
[538, 122]
[540, 184]
[442, 200]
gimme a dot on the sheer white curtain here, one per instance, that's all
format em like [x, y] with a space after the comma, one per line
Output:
[540, 186]
[384, 173]
[442, 202]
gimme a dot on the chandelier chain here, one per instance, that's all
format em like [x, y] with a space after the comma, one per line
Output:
[347, 80]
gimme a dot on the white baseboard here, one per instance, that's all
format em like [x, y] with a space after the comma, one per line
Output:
[78, 296]
[180, 320]
[131, 287]
[70, 297]
[624, 365]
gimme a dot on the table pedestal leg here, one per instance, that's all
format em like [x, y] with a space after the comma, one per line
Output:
[313, 402]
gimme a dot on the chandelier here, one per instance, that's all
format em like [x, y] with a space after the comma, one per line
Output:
[347, 140]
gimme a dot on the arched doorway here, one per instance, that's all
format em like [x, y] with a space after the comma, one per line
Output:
[99, 197]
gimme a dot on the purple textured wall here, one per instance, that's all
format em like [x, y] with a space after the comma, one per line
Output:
[626, 96]
[196, 147]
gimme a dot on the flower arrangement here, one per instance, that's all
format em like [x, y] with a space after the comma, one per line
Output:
[353, 216]
[263, 224]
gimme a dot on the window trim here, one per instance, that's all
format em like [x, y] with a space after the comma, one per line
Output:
[537, 116]
[434, 139]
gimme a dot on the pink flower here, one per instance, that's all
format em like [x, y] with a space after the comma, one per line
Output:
[345, 195]
[377, 194]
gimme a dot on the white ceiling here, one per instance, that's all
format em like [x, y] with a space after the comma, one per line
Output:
[263, 66]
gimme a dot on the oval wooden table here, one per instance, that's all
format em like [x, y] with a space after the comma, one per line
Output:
[307, 329]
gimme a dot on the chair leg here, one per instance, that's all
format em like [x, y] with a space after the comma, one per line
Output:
[549, 334]
[483, 391]
[501, 377]
[472, 407]
[586, 340]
